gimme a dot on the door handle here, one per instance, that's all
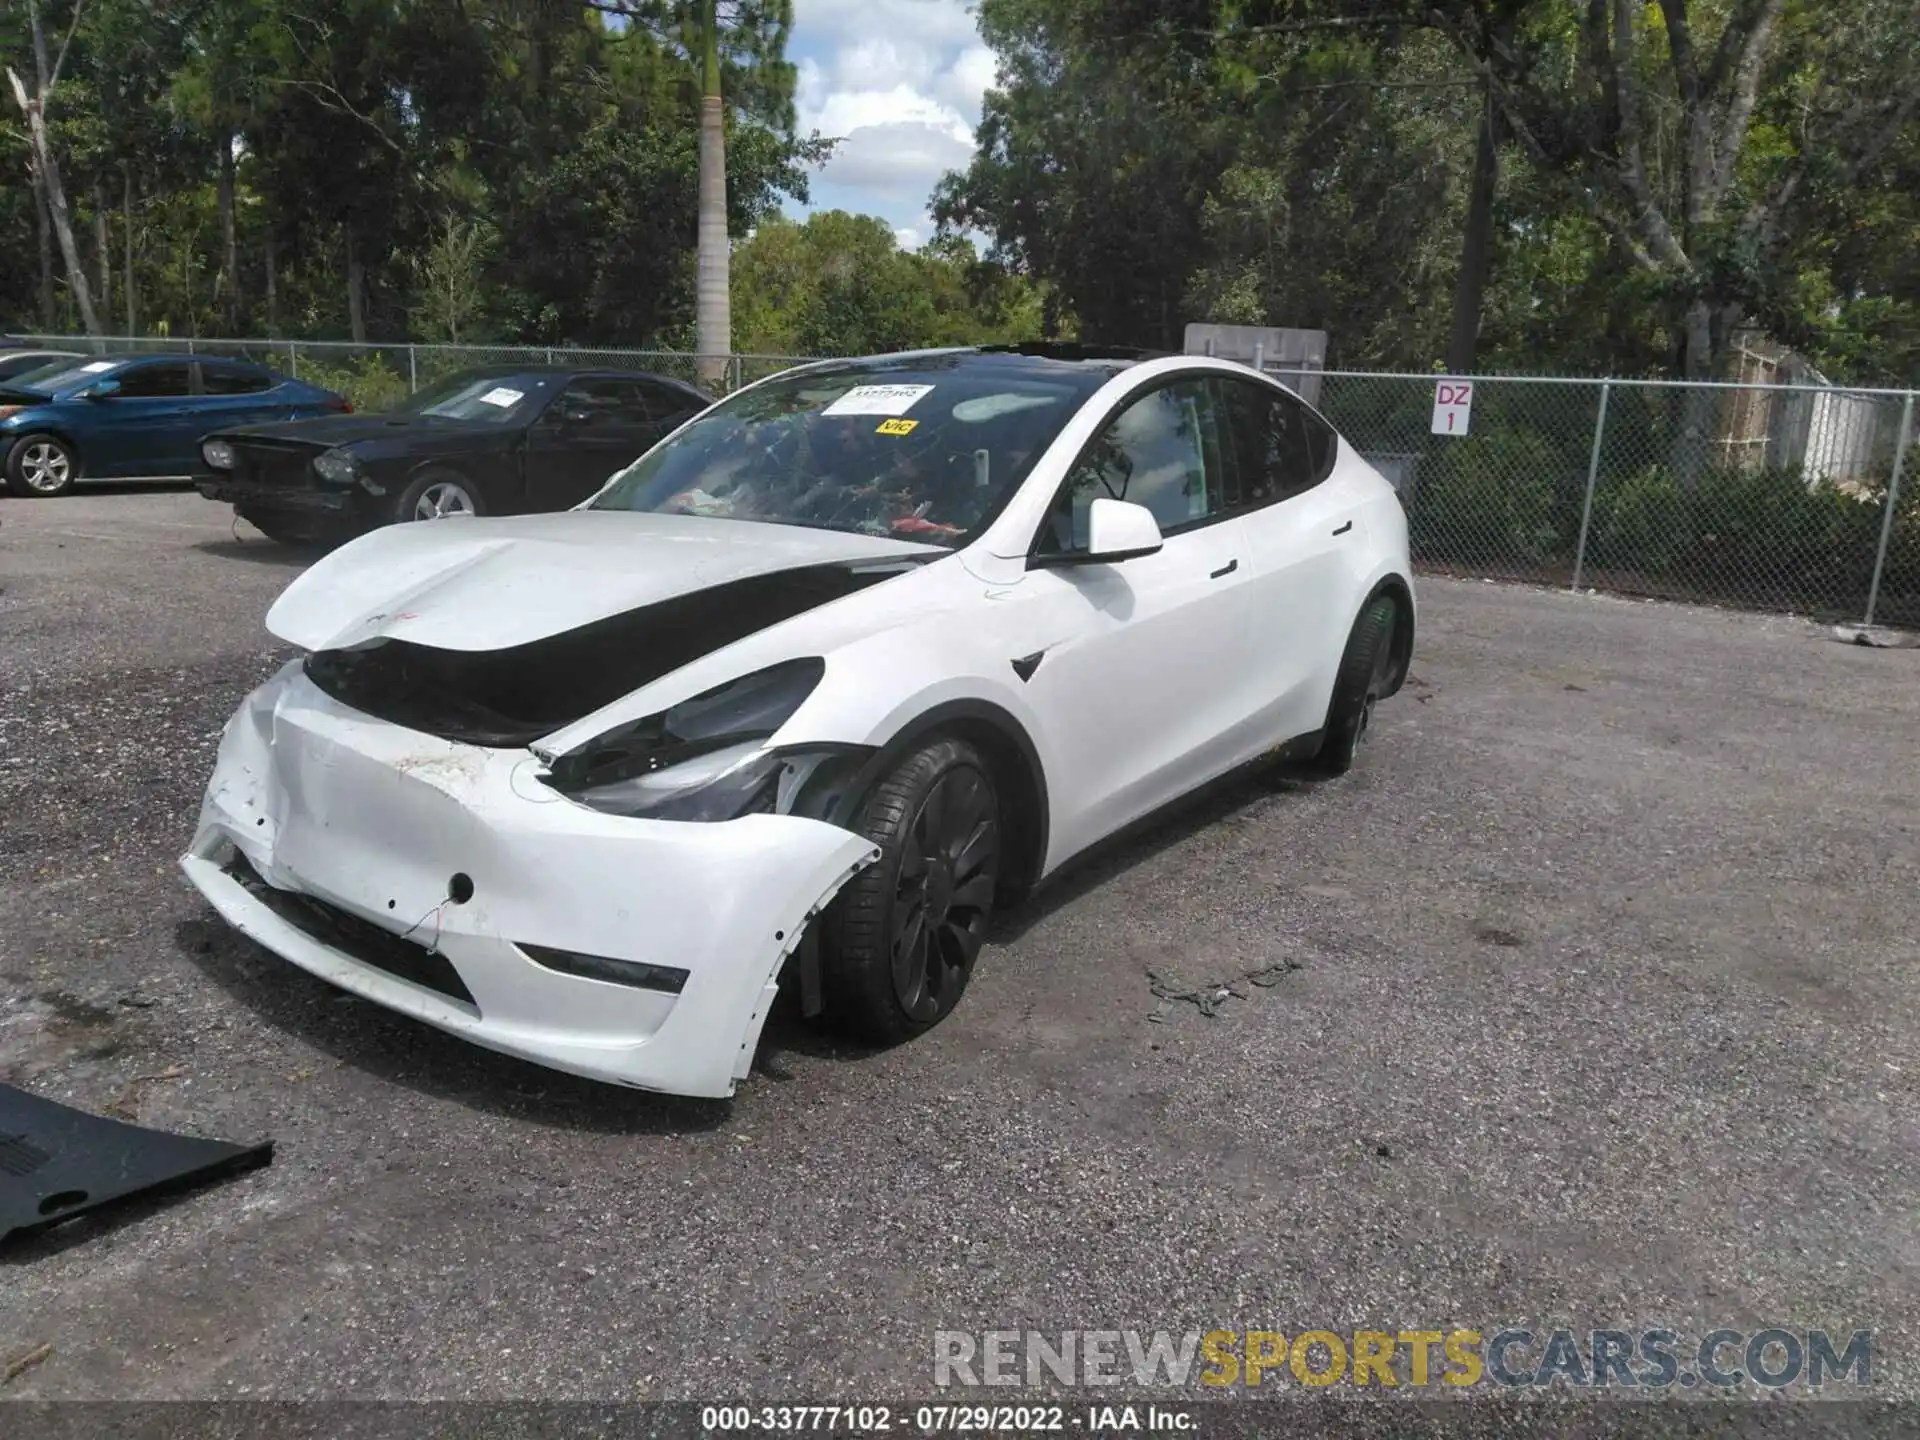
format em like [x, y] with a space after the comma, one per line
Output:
[1344, 528]
[1226, 569]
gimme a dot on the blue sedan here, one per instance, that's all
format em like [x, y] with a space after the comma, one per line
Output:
[136, 417]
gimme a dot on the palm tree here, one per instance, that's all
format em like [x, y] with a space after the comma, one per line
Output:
[712, 296]
[739, 49]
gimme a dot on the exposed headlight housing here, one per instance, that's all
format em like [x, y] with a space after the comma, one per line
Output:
[703, 759]
[218, 454]
[338, 466]
[7, 410]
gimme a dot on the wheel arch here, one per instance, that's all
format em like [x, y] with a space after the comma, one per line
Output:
[59, 432]
[1017, 772]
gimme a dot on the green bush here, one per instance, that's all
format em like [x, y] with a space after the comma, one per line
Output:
[1642, 523]
[1739, 531]
[367, 381]
[1488, 499]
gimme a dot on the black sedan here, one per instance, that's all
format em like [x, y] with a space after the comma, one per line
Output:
[501, 440]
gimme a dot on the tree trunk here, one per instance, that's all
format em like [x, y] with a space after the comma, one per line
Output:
[712, 312]
[356, 289]
[103, 247]
[49, 171]
[48, 320]
[1706, 333]
[1475, 249]
[126, 246]
[273, 288]
[229, 245]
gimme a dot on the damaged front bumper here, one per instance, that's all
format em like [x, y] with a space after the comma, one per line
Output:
[427, 876]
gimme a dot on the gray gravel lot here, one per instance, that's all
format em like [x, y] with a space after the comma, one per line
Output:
[1590, 998]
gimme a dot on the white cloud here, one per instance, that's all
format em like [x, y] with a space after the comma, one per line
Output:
[898, 83]
[940, 23]
[846, 113]
[967, 79]
[898, 162]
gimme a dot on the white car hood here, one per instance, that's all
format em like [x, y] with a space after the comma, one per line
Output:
[489, 584]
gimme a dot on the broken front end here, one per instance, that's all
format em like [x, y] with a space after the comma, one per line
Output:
[622, 911]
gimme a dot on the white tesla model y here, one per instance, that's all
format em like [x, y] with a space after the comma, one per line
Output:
[844, 664]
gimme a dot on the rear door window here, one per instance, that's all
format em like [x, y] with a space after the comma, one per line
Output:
[155, 381]
[1277, 448]
[230, 379]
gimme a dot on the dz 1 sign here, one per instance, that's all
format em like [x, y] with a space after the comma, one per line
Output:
[1452, 407]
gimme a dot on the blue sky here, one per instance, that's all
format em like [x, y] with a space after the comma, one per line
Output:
[899, 81]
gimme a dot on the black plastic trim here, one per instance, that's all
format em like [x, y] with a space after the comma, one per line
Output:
[635, 974]
[366, 942]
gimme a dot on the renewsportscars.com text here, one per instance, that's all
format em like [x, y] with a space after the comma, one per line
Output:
[1771, 1359]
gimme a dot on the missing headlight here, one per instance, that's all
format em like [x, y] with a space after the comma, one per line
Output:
[702, 759]
[750, 708]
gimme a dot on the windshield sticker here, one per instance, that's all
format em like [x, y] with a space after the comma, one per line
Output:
[97, 366]
[503, 397]
[878, 400]
[895, 427]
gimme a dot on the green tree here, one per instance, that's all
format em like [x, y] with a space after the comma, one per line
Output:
[840, 284]
[738, 48]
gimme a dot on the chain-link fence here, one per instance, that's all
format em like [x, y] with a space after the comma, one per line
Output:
[376, 376]
[1774, 497]
[1777, 497]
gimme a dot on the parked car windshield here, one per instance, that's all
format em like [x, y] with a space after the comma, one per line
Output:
[58, 375]
[926, 448]
[496, 397]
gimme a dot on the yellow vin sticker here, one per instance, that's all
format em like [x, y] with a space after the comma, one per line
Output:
[896, 427]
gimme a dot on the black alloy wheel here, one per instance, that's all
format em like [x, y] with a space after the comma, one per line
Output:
[905, 933]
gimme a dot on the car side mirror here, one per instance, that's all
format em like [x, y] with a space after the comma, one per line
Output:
[102, 390]
[1116, 530]
[1120, 530]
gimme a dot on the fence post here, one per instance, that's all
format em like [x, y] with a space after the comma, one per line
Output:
[1893, 500]
[549, 355]
[1593, 477]
[413, 368]
[293, 358]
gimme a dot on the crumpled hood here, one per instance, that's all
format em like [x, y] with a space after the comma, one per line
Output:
[477, 584]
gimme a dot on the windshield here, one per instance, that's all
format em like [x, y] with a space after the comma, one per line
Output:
[493, 396]
[926, 449]
[58, 375]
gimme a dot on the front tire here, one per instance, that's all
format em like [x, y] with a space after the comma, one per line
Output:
[1362, 679]
[436, 494]
[902, 937]
[42, 466]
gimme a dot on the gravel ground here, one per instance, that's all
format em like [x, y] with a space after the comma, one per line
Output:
[1589, 999]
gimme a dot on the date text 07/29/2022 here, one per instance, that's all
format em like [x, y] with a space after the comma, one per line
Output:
[947, 1419]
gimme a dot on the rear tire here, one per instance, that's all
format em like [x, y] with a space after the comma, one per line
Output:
[1362, 679]
[41, 466]
[436, 494]
[901, 939]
